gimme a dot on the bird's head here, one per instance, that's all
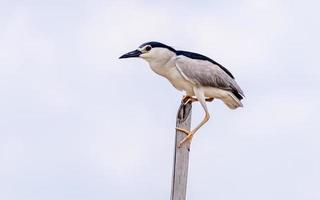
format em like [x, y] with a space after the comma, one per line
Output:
[151, 51]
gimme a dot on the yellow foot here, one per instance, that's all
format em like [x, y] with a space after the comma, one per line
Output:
[183, 130]
[187, 138]
[209, 99]
[186, 99]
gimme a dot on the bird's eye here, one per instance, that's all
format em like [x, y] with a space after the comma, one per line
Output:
[148, 48]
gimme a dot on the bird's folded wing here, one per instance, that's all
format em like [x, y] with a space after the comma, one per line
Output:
[205, 73]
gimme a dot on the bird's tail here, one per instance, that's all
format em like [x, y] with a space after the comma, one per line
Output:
[231, 101]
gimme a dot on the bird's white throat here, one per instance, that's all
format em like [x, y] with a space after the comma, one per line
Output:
[161, 64]
[161, 67]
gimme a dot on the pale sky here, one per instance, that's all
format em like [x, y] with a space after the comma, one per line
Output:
[77, 123]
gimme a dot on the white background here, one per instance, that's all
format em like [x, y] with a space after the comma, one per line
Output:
[76, 123]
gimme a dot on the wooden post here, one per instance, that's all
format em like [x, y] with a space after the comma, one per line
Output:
[181, 155]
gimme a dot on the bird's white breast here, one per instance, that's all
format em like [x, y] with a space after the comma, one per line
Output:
[179, 82]
[170, 71]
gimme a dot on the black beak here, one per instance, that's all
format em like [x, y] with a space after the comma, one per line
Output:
[132, 54]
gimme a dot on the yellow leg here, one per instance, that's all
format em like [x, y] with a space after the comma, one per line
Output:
[183, 130]
[188, 137]
[200, 97]
[190, 134]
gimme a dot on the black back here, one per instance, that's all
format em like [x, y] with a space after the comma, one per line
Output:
[187, 54]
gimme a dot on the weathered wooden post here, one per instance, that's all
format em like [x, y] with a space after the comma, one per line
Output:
[181, 155]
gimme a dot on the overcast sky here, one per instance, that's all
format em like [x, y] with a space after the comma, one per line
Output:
[77, 123]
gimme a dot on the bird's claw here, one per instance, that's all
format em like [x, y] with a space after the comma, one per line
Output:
[210, 99]
[187, 138]
[183, 130]
[187, 99]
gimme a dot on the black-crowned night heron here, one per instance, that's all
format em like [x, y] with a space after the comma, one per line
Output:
[200, 77]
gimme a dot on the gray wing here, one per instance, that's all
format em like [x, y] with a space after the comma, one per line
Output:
[205, 73]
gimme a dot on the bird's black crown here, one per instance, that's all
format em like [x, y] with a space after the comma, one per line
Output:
[158, 44]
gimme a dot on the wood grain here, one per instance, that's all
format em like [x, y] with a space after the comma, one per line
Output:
[181, 155]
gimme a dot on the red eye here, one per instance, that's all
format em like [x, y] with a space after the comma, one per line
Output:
[148, 48]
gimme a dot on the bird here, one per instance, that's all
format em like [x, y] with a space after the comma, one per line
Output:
[201, 78]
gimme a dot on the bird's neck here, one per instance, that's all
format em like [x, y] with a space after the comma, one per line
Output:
[162, 66]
